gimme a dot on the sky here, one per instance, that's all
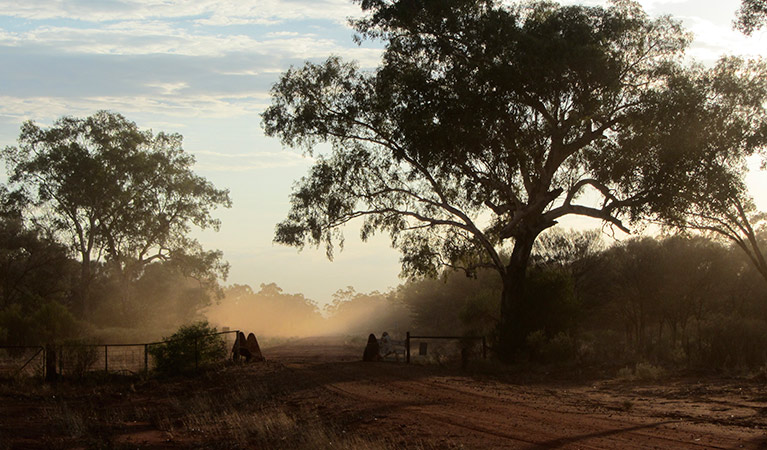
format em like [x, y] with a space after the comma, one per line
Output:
[203, 68]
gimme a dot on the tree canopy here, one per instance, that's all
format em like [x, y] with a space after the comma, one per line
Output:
[486, 124]
[118, 194]
[751, 16]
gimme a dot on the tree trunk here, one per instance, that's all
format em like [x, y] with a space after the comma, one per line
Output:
[83, 306]
[512, 332]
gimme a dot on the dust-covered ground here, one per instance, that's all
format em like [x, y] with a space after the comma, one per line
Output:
[315, 393]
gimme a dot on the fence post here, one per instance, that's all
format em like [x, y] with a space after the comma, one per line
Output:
[236, 348]
[49, 363]
[484, 347]
[407, 348]
[196, 356]
[146, 358]
[106, 360]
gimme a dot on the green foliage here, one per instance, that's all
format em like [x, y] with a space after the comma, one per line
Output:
[162, 298]
[729, 341]
[110, 189]
[50, 322]
[674, 301]
[479, 314]
[191, 343]
[752, 16]
[559, 348]
[455, 304]
[550, 302]
[642, 371]
[485, 124]
[80, 356]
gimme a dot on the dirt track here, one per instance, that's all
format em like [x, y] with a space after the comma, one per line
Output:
[445, 408]
[321, 382]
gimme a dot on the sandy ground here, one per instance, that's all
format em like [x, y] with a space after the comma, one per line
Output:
[454, 410]
[412, 406]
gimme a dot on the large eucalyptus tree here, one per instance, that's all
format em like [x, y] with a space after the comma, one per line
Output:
[485, 124]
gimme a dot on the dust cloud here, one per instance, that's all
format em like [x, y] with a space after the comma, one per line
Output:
[272, 312]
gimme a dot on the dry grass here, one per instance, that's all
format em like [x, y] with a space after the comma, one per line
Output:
[247, 417]
[642, 371]
[213, 410]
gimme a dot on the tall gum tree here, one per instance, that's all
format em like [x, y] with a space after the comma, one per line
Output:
[486, 124]
[117, 194]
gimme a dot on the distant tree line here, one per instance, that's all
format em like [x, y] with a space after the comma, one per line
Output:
[680, 301]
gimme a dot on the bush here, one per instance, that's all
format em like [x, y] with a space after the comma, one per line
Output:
[79, 356]
[559, 348]
[729, 341]
[642, 372]
[192, 346]
[648, 372]
[49, 322]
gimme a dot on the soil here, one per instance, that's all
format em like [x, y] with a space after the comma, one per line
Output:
[403, 406]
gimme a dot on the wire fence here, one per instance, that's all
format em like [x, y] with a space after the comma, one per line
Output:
[80, 359]
[19, 360]
[446, 347]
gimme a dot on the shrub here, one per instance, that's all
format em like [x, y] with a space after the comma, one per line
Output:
[648, 372]
[47, 323]
[642, 371]
[79, 356]
[556, 349]
[191, 347]
[729, 341]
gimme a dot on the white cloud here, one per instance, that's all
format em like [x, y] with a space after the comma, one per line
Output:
[209, 12]
[714, 40]
[211, 106]
[168, 88]
[245, 162]
[147, 38]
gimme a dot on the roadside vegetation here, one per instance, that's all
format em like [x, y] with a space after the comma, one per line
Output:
[97, 215]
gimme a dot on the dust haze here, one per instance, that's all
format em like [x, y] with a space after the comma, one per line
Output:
[271, 312]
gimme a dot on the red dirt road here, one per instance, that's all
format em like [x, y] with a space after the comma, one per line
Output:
[321, 384]
[444, 408]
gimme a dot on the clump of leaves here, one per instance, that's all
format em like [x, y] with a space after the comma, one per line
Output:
[191, 347]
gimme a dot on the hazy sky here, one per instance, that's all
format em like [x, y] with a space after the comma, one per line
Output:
[203, 68]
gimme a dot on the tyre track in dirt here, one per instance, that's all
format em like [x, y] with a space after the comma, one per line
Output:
[453, 410]
[525, 425]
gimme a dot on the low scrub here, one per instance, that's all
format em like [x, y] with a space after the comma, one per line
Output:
[642, 371]
[191, 347]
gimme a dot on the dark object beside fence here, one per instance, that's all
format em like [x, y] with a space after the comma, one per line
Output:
[247, 348]
[372, 349]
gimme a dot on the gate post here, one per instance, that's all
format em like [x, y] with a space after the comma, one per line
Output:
[236, 348]
[50, 363]
[407, 348]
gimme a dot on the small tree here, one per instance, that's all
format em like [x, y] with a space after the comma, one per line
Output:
[190, 347]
